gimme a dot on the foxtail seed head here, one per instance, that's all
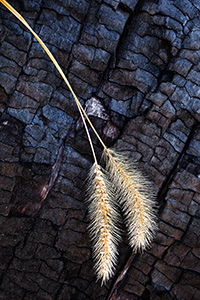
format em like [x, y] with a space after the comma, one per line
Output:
[132, 189]
[135, 197]
[103, 223]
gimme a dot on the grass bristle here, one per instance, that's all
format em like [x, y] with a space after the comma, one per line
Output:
[122, 179]
[136, 199]
[103, 223]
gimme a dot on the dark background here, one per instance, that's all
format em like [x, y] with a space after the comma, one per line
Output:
[135, 65]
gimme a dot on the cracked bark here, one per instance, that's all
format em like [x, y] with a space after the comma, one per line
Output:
[140, 60]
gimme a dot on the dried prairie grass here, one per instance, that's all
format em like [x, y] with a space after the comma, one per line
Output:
[104, 220]
[122, 182]
[135, 196]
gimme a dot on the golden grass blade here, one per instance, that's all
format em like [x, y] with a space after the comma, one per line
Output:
[17, 15]
[134, 192]
[81, 110]
[135, 197]
[103, 226]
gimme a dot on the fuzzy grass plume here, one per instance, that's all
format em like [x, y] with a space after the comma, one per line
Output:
[123, 182]
[136, 198]
[104, 220]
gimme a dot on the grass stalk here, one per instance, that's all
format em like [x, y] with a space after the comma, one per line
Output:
[123, 181]
[81, 110]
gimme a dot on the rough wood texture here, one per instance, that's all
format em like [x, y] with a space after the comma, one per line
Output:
[139, 61]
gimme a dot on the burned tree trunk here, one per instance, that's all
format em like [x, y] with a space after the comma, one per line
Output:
[135, 66]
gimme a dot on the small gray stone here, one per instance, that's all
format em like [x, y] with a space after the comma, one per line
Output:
[94, 107]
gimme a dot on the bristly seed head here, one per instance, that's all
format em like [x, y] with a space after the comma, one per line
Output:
[104, 220]
[135, 197]
[134, 192]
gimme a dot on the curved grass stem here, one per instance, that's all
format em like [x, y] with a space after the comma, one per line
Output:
[121, 180]
[81, 110]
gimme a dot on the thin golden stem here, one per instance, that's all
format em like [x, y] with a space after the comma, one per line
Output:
[81, 110]
[89, 137]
